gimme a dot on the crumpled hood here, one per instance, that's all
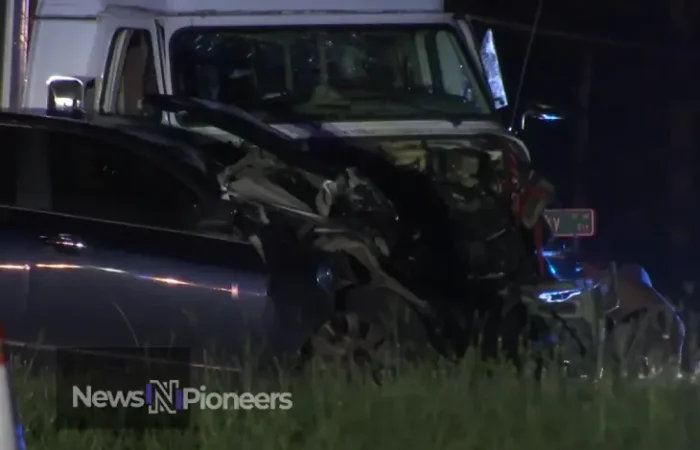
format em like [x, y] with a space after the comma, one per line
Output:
[402, 130]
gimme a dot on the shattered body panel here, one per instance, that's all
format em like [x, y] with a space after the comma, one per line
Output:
[439, 221]
[447, 201]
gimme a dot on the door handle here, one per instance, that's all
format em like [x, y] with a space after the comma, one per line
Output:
[64, 242]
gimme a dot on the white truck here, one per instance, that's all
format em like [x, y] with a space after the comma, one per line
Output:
[104, 55]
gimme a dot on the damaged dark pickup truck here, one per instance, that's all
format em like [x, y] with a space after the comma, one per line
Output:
[365, 249]
[426, 233]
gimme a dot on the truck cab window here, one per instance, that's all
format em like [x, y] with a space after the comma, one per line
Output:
[137, 77]
[455, 81]
[92, 178]
[381, 72]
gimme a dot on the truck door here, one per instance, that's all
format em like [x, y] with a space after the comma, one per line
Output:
[134, 67]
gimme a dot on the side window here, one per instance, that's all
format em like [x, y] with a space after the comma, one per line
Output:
[133, 73]
[451, 68]
[92, 178]
[8, 165]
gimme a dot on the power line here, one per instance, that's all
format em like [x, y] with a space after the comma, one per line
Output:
[523, 71]
[581, 37]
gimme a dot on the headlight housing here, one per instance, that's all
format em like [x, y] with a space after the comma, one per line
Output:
[558, 296]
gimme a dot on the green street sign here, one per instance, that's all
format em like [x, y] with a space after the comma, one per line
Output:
[571, 222]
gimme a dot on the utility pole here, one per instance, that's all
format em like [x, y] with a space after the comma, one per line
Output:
[15, 27]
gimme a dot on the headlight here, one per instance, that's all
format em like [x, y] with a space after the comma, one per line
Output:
[559, 296]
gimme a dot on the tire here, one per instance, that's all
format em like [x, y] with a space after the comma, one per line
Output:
[373, 331]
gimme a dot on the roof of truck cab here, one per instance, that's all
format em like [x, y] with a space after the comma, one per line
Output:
[86, 8]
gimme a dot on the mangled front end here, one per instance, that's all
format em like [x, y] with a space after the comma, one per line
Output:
[490, 223]
[421, 220]
[347, 213]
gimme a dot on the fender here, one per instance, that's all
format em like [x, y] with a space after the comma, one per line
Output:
[636, 296]
[634, 290]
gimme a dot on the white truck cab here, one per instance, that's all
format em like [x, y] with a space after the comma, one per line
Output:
[332, 62]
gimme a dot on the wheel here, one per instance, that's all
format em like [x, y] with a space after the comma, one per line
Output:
[373, 330]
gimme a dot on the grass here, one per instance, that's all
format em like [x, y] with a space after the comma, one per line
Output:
[424, 408]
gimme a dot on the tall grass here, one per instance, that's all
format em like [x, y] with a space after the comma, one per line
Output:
[423, 408]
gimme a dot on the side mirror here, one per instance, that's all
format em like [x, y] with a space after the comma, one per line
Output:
[70, 96]
[492, 70]
[544, 113]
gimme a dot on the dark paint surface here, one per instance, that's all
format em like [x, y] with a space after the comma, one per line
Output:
[74, 281]
[127, 285]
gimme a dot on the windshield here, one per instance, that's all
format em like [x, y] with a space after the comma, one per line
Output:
[334, 73]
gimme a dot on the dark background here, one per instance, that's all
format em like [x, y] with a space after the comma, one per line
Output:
[627, 72]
